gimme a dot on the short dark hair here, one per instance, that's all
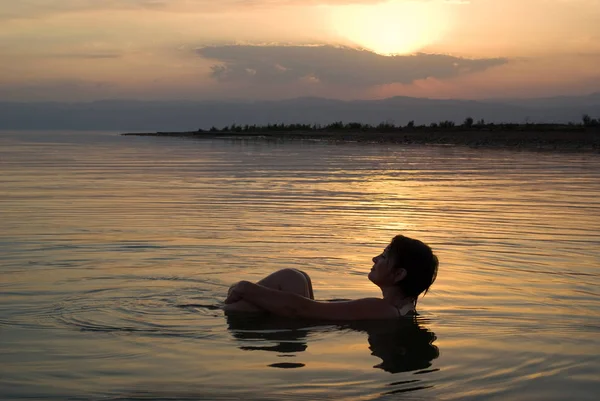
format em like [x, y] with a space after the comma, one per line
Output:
[418, 260]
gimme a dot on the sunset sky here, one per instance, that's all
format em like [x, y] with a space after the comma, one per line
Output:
[76, 50]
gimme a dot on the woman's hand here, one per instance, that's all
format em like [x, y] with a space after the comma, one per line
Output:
[235, 292]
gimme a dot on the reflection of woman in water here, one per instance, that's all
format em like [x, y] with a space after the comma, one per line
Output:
[405, 269]
[403, 345]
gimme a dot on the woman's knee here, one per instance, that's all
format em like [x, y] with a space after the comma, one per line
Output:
[287, 274]
[290, 280]
[308, 283]
[302, 277]
[293, 273]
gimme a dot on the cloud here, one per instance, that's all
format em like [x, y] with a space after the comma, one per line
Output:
[37, 8]
[85, 56]
[55, 90]
[32, 8]
[334, 65]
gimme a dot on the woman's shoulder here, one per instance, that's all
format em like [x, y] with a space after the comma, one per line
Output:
[383, 307]
[357, 309]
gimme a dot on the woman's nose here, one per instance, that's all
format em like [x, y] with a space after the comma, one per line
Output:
[374, 259]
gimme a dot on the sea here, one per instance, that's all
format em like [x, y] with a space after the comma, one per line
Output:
[116, 253]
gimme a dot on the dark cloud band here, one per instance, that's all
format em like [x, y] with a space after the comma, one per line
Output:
[334, 65]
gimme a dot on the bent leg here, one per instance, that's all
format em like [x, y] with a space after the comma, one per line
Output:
[311, 295]
[288, 280]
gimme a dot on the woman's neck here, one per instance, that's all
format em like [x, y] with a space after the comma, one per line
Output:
[396, 297]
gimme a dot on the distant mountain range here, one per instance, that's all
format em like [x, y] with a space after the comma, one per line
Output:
[120, 115]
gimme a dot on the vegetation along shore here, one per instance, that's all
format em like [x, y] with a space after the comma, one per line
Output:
[573, 136]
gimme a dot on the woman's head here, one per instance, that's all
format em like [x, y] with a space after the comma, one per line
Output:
[407, 263]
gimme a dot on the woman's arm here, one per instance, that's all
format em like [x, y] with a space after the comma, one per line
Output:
[292, 305]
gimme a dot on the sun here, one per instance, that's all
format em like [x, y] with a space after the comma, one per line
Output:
[393, 27]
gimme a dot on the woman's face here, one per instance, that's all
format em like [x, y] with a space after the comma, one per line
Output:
[382, 272]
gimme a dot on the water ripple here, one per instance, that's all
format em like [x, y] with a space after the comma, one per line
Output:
[116, 253]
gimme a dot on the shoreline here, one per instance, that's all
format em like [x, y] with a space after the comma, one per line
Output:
[547, 138]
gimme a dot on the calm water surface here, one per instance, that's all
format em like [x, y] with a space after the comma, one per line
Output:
[116, 252]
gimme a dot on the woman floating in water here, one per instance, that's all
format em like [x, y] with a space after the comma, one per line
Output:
[405, 269]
